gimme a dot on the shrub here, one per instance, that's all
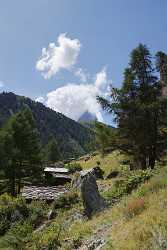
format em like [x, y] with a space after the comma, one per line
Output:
[133, 180]
[15, 210]
[74, 167]
[37, 212]
[125, 185]
[17, 236]
[134, 207]
[12, 210]
[156, 183]
[66, 200]
[98, 163]
[47, 239]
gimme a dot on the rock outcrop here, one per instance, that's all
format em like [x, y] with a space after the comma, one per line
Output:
[92, 200]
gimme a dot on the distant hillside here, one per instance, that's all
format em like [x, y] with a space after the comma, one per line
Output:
[92, 124]
[71, 136]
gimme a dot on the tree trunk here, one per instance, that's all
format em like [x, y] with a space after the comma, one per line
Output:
[143, 163]
[152, 158]
[19, 177]
[152, 163]
[19, 185]
[12, 184]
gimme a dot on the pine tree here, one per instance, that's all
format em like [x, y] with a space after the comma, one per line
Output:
[27, 144]
[7, 152]
[139, 110]
[21, 149]
[105, 137]
[52, 152]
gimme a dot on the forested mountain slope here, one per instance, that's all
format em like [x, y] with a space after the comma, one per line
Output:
[72, 137]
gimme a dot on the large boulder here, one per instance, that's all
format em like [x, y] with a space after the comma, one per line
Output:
[92, 200]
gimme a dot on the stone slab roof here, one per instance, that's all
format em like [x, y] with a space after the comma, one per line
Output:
[42, 193]
[56, 170]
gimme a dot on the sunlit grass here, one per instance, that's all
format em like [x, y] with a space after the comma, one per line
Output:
[107, 163]
[137, 221]
[145, 227]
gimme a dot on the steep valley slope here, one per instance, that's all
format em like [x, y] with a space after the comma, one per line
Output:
[72, 137]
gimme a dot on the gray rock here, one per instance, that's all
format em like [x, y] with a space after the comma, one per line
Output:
[92, 200]
[96, 244]
[51, 214]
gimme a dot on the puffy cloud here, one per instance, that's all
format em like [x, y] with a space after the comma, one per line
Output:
[73, 100]
[40, 99]
[1, 84]
[60, 56]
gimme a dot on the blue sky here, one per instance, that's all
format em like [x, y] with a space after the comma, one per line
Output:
[106, 30]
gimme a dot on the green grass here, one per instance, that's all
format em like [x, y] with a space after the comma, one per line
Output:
[107, 163]
[140, 219]
[137, 221]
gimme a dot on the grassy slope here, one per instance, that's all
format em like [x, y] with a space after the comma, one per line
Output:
[138, 221]
[107, 163]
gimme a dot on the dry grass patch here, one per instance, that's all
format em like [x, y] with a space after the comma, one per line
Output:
[140, 220]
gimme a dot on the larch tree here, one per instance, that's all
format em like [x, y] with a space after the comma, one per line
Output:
[52, 151]
[139, 110]
[21, 149]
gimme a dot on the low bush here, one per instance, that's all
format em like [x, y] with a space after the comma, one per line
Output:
[47, 239]
[156, 183]
[12, 210]
[66, 200]
[125, 185]
[17, 236]
[134, 207]
[18, 220]
[37, 212]
[74, 167]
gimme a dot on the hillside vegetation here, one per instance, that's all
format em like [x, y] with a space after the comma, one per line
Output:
[135, 217]
[72, 137]
[130, 212]
[108, 163]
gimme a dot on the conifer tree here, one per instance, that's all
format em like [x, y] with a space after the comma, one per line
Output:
[52, 152]
[20, 148]
[139, 110]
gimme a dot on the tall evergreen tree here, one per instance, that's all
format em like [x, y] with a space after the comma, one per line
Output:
[7, 153]
[22, 155]
[52, 152]
[105, 137]
[139, 110]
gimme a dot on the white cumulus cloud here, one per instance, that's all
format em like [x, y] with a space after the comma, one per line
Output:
[62, 55]
[73, 100]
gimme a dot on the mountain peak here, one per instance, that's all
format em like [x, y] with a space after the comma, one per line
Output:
[86, 117]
